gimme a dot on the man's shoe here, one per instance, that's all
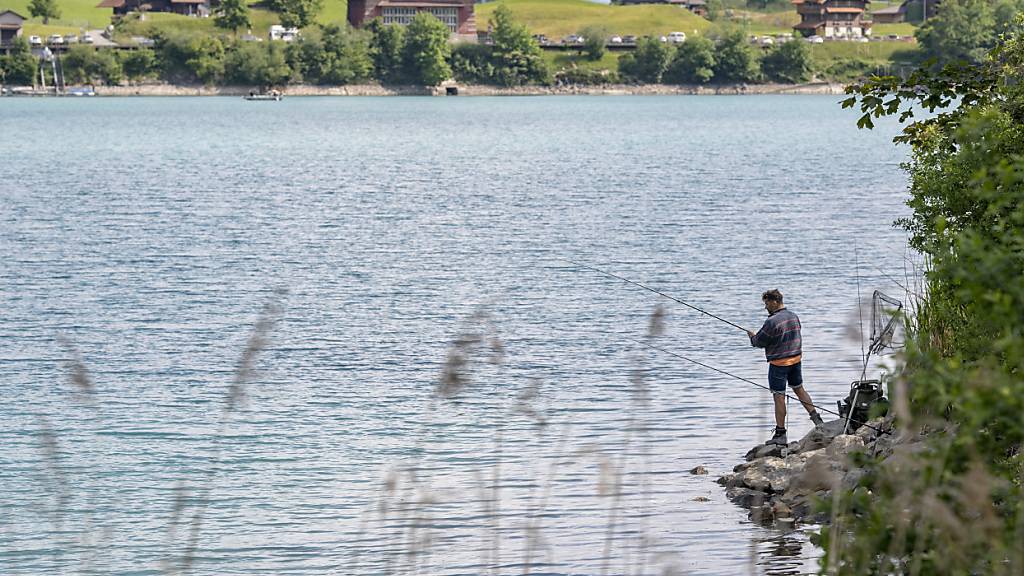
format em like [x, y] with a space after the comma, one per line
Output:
[779, 438]
[816, 418]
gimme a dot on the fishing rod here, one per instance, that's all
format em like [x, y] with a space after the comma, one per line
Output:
[748, 381]
[658, 292]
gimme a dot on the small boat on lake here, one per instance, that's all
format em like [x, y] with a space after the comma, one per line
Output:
[272, 95]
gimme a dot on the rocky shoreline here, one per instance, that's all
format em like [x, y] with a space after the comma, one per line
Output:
[780, 485]
[477, 90]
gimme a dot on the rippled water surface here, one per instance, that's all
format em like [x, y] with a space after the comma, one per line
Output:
[148, 234]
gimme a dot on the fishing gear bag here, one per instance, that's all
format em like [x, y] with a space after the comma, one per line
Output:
[866, 400]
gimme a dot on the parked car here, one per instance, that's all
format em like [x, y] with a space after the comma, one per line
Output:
[70, 39]
[629, 39]
[55, 40]
[35, 40]
[815, 39]
[615, 40]
[767, 41]
[676, 37]
[86, 39]
[663, 39]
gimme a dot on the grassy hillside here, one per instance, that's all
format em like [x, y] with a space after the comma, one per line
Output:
[558, 18]
[83, 14]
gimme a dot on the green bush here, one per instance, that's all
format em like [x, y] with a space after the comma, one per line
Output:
[138, 64]
[88, 65]
[788, 62]
[648, 62]
[955, 505]
[694, 62]
[18, 66]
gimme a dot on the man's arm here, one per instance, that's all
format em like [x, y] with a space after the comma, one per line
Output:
[763, 338]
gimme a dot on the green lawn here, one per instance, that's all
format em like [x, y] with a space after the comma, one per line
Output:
[559, 18]
[763, 23]
[77, 15]
[561, 60]
[903, 29]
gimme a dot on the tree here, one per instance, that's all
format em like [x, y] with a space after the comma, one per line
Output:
[44, 9]
[715, 9]
[788, 62]
[138, 64]
[232, 15]
[648, 62]
[694, 62]
[87, 65]
[386, 43]
[595, 40]
[734, 60]
[962, 30]
[962, 483]
[517, 56]
[206, 59]
[296, 13]
[426, 51]
[19, 66]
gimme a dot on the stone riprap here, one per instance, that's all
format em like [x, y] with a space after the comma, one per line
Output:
[780, 484]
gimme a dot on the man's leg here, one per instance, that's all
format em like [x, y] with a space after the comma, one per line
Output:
[780, 410]
[805, 399]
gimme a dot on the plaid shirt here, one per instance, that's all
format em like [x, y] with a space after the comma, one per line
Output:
[780, 335]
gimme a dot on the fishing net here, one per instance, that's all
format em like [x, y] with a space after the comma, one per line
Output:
[886, 327]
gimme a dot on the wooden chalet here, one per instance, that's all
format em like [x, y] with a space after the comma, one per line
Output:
[838, 19]
[458, 15]
[184, 7]
[10, 26]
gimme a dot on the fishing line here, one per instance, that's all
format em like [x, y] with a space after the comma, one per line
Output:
[658, 292]
[748, 381]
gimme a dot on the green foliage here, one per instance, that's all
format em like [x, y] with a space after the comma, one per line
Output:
[734, 59]
[335, 56]
[473, 63]
[19, 66]
[296, 13]
[648, 62]
[585, 77]
[88, 65]
[386, 44]
[594, 39]
[257, 63]
[232, 15]
[787, 62]
[517, 57]
[425, 51]
[138, 64]
[44, 9]
[1006, 13]
[206, 59]
[961, 30]
[694, 62]
[716, 9]
[957, 505]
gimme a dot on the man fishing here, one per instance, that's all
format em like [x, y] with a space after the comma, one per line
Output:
[780, 338]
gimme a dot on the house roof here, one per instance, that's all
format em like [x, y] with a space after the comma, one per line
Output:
[843, 10]
[892, 10]
[110, 4]
[13, 12]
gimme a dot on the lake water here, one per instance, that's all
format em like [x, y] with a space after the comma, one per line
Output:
[145, 236]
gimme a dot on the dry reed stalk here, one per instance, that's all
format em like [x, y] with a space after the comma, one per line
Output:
[234, 399]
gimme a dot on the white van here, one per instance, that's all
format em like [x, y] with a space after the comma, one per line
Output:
[676, 37]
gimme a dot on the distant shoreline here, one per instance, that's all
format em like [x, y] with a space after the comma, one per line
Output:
[827, 88]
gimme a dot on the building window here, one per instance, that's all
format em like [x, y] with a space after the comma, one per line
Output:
[403, 16]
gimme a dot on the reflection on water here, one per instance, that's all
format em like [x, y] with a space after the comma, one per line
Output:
[787, 553]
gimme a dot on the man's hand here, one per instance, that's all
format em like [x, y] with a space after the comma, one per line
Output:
[751, 334]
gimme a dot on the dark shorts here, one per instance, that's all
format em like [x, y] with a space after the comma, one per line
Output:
[779, 375]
